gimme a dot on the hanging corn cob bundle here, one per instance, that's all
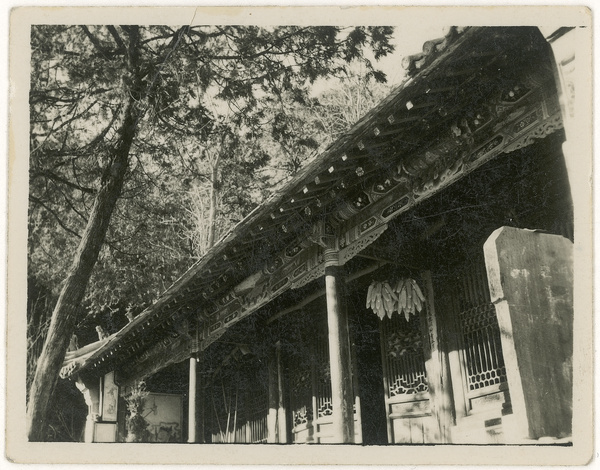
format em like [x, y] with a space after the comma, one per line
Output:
[405, 297]
[381, 299]
[410, 297]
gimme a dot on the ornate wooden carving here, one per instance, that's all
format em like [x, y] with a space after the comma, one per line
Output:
[366, 238]
[525, 109]
[543, 129]
[519, 114]
[431, 175]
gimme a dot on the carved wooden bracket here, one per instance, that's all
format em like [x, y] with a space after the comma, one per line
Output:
[520, 115]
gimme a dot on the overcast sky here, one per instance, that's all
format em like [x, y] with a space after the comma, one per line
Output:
[408, 40]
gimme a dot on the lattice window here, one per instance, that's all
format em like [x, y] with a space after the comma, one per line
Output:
[302, 363]
[323, 372]
[480, 330]
[483, 350]
[404, 356]
[301, 396]
[310, 378]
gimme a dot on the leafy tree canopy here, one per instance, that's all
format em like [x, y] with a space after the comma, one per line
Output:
[239, 94]
[146, 143]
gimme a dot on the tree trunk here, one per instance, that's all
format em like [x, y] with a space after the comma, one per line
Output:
[65, 312]
[212, 213]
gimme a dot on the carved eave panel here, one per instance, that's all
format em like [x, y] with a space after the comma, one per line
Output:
[294, 267]
[156, 327]
[534, 118]
[342, 202]
[345, 185]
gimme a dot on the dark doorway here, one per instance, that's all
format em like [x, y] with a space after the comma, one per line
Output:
[365, 330]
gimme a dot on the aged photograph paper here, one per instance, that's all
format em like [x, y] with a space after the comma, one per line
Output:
[236, 230]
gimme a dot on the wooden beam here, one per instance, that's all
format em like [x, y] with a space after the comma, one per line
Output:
[321, 292]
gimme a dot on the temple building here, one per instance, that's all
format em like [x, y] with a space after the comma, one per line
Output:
[411, 285]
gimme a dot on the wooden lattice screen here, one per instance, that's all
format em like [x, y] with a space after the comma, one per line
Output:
[404, 360]
[479, 327]
[407, 397]
[323, 376]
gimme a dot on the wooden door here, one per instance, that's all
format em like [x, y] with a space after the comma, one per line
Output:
[311, 406]
[407, 398]
[301, 396]
[480, 389]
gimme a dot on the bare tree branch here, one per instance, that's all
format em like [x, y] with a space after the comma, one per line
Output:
[105, 53]
[114, 33]
[55, 215]
[60, 179]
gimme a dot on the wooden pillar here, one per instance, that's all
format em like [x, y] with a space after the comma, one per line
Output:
[91, 395]
[282, 430]
[573, 68]
[339, 357]
[200, 412]
[357, 415]
[530, 275]
[276, 417]
[272, 431]
[436, 365]
[192, 422]
[572, 49]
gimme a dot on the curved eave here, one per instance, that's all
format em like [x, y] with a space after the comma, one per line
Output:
[477, 47]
